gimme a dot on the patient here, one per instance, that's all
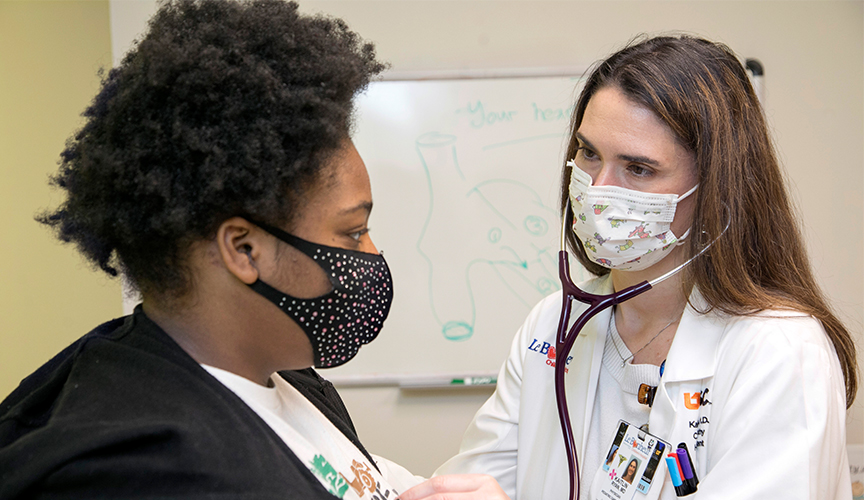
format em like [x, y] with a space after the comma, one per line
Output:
[215, 170]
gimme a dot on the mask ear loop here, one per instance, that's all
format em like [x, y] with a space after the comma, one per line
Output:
[668, 275]
[688, 193]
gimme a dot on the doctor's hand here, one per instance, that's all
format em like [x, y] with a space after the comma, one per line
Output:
[457, 487]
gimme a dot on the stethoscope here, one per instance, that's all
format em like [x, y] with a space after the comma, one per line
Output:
[564, 339]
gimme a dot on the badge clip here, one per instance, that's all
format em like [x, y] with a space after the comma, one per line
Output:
[646, 394]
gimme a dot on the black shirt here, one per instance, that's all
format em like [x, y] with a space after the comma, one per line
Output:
[124, 412]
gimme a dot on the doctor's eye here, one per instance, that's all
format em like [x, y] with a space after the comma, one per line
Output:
[587, 154]
[639, 170]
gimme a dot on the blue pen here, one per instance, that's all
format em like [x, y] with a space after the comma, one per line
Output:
[672, 465]
[677, 475]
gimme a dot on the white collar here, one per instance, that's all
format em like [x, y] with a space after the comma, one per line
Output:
[693, 353]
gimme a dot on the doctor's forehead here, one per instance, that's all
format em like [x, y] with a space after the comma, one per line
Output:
[615, 124]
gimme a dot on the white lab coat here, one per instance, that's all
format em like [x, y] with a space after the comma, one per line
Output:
[771, 424]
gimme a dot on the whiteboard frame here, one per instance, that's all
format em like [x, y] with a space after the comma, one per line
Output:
[483, 73]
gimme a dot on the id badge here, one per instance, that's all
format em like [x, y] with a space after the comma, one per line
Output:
[631, 466]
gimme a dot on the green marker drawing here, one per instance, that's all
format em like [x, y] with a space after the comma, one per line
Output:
[504, 217]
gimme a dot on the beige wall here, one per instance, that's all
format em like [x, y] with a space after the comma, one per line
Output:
[812, 53]
[50, 53]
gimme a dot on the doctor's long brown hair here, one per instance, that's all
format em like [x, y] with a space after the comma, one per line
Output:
[701, 91]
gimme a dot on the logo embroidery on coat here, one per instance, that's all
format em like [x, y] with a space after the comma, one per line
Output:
[548, 350]
[692, 401]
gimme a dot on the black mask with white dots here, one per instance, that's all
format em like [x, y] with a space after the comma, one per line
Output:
[340, 321]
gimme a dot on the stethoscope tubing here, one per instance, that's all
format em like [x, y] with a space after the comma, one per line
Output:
[564, 344]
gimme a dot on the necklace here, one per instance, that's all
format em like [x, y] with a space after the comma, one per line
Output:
[628, 358]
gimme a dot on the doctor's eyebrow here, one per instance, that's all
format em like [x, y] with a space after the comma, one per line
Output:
[628, 158]
[585, 142]
[639, 159]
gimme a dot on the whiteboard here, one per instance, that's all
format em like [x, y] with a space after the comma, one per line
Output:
[465, 182]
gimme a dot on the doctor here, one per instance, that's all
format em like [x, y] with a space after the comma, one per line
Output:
[738, 357]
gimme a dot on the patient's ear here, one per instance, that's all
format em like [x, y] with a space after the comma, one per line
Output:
[241, 244]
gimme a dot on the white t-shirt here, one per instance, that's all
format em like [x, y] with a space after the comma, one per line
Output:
[617, 399]
[333, 459]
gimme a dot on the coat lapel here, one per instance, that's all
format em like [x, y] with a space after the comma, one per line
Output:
[691, 357]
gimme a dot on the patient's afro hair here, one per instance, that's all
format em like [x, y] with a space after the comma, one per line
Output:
[223, 108]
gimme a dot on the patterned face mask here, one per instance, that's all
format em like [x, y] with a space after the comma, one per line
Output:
[340, 321]
[621, 228]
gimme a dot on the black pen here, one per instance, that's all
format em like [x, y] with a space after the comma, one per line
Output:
[689, 473]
